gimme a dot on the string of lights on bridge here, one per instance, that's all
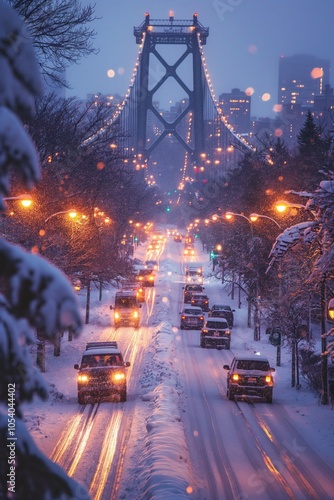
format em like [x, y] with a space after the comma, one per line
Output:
[216, 102]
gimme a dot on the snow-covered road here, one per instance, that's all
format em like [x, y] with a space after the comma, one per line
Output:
[178, 436]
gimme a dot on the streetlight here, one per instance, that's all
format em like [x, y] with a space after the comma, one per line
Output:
[71, 212]
[254, 217]
[282, 205]
[229, 216]
[26, 199]
[325, 351]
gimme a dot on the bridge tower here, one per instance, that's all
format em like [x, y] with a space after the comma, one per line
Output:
[171, 32]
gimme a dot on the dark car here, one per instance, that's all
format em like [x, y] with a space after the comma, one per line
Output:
[145, 277]
[192, 318]
[178, 238]
[217, 333]
[250, 376]
[200, 300]
[222, 311]
[190, 289]
[102, 373]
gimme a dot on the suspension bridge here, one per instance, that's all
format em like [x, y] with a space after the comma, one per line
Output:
[210, 144]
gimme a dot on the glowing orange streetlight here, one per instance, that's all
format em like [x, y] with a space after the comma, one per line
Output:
[25, 199]
[71, 213]
[282, 205]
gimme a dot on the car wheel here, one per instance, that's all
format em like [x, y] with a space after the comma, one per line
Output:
[81, 399]
[230, 395]
[269, 399]
[122, 396]
[181, 327]
[202, 343]
[228, 345]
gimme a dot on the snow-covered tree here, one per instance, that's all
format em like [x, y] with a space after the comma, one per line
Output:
[317, 233]
[35, 295]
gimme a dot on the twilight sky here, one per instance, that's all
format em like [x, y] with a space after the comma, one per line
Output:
[246, 40]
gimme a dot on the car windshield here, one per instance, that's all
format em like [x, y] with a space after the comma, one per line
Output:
[250, 364]
[126, 302]
[93, 360]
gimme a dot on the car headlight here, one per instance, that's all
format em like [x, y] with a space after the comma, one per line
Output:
[235, 377]
[269, 380]
[118, 376]
[116, 315]
[83, 378]
[136, 314]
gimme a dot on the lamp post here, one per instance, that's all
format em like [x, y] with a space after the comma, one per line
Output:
[229, 216]
[26, 199]
[71, 212]
[282, 205]
[254, 217]
[324, 348]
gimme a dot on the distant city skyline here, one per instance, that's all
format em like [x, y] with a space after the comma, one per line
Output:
[245, 43]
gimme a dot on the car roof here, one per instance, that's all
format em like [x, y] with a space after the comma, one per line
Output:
[199, 294]
[221, 306]
[254, 357]
[102, 348]
[195, 308]
[101, 351]
[126, 292]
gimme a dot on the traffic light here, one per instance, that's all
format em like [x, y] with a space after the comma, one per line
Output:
[168, 209]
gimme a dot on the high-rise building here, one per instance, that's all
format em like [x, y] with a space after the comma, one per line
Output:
[236, 108]
[301, 78]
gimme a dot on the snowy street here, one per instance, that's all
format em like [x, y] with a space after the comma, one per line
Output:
[178, 436]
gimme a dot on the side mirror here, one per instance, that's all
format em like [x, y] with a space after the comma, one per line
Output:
[140, 305]
[127, 363]
[111, 307]
[272, 369]
[76, 366]
[226, 367]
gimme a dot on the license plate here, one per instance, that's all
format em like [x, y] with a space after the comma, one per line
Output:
[251, 379]
[216, 334]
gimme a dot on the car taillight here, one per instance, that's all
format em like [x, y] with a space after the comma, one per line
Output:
[83, 378]
[235, 377]
[201, 318]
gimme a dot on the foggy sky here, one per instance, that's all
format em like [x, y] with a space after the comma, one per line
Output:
[246, 40]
